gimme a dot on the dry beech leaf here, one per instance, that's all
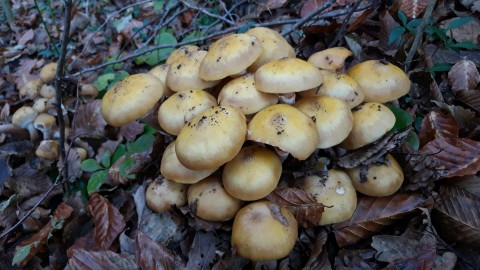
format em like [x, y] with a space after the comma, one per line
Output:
[463, 76]
[358, 259]
[131, 130]
[26, 181]
[373, 214]
[140, 160]
[387, 24]
[464, 117]
[86, 243]
[318, 256]
[88, 121]
[270, 5]
[303, 205]
[311, 5]
[438, 124]
[470, 98]
[37, 240]
[109, 222]
[454, 157]
[151, 255]
[457, 214]
[203, 250]
[93, 260]
[413, 8]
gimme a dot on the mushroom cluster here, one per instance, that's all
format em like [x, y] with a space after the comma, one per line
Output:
[237, 110]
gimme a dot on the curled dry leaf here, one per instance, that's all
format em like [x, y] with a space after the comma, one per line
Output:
[318, 256]
[413, 8]
[454, 157]
[119, 174]
[36, 241]
[359, 259]
[131, 130]
[464, 117]
[86, 243]
[470, 97]
[303, 205]
[203, 250]
[27, 181]
[92, 260]
[457, 216]
[387, 24]
[374, 214]
[463, 76]
[438, 124]
[88, 121]
[151, 255]
[109, 222]
[73, 163]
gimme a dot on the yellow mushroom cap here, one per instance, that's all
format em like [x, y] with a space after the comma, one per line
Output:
[48, 72]
[370, 122]
[252, 174]
[264, 231]
[337, 85]
[273, 44]
[287, 75]
[230, 55]
[211, 138]
[180, 52]
[172, 169]
[131, 98]
[161, 72]
[380, 81]
[183, 74]
[241, 93]
[285, 127]
[175, 112]
[332, 117]
[381, 179]
[163, 194]
[330, 59]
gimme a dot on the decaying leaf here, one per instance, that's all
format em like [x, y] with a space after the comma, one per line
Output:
[162, 227]
[359, 259]
[92, 260]
[470, 97]
[438, 124]
[86, 242]
[373, 214]
[413, 8]
[151, 255]
[131, 130]
[27, 181]
[457, 215]
[454, 157]
[464, 117]
[109, 222]
[32, 245]
[17, 148]
[463, 76]
[88, 121]
[125, 166]
[303, 205]
[319, 257]
[203, 250]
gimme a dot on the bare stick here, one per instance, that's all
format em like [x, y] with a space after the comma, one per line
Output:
[343, 29]
[419, 35]
[308, 17]
[58, 80]
[206, 12]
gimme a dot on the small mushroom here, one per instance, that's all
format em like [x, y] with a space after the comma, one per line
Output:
[180, 52]
[161, 72]
[48, 72]
[48, 149]
[40, 105]
[47, 91]
[88, 92]
[45, 122]
[330, 59]
[162, 195]
[23, 118]
[31, 89]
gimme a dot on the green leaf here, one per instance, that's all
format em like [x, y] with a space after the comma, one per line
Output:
[158, 6]
[119, 152]
[458, 22]
[22, 253]
[465, 45]
[439, 68]
[121, 23]
[403, 118]
[149, 130]
[245, 27]
[413, 24]
[126, 165]
[90, 165]
[96, 181]
[191, 36]
[155, 57]
[131, 176]
[413, 141]
[142, 144]
[417, 124]
[402, 17]
[396, 34]
[103, 80]
[106, 159]
[118, 77]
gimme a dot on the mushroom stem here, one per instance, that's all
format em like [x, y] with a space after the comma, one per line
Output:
[32, 132]
[287, 98]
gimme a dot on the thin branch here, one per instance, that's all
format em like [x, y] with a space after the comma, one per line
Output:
[58, 79]
[45, 26]
[308, 17]
[343, 29]
[208, 13]
[419, 35]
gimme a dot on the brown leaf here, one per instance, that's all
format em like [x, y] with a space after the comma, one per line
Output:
[26, 181]
[93, 260]
[413, 8]
[269, 5]
[454, 157]
[88, 121]
[387, 24]
[37, 240]
[466, 32]
[151, 255]
[311, 5]
[470, 98]
[109, 222]
[140, 160]
[464, 117]
[203, 250]
[303, 205]
[318, 256]
[457, 215]
[463, 76]
[374, 214]
[437, 124]
[357, 259]
[131, 130]
[27, 36]
[86, 243]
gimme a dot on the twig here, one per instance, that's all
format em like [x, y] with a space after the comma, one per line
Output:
[58, 79]
[45, 26]
[419, 35]
[343, 28]
[44, 196]
[308, 17]
[206, 12]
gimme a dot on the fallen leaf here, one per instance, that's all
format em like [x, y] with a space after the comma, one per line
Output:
[468, 31]
[125, 166]
[303, 205]
[93, 260]
[463, 76]
[374, 214]
[151, 255]
[86, 242]
[357, 259]
[318, 256]
[27, 36]
[269, 5]
[454, 157]
[311, 5]
[437, 124]
[131, 130]
[17, 148]
[464, 117]
[162, 227]
[413, 8]
[88, 121]
[109, 222]
[27, 181]
[470, 97]
[203, 250]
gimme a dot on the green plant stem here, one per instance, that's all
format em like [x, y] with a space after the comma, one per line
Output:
[419, 35]
[7, 10]
[52, 41]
